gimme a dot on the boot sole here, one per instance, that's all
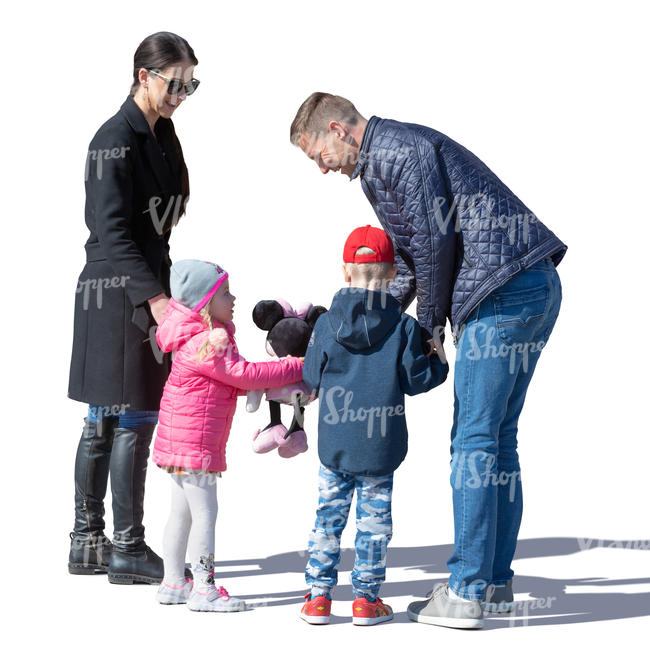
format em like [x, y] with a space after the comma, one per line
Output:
[445, 621]
[86, 569]
[132, 578]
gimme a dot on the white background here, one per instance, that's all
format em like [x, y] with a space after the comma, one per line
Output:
[552, 96]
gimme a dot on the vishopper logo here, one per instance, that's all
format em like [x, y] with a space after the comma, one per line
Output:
[113, 410]
[99, 285]
[480, 340]
[478, 470]
[338, 402]
[474, 212]
[99, 156]
[175, 205]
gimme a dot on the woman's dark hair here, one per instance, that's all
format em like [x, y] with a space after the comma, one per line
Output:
[159, 51]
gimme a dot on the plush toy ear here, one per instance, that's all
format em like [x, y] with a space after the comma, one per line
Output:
[313, 315]
[267, 313]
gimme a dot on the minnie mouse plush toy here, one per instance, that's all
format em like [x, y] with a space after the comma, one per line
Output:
[289, 331]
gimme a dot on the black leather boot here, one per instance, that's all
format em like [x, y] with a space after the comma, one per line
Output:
[90, 550]
[131, 559]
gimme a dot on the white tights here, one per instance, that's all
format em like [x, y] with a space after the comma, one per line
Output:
[190, 525]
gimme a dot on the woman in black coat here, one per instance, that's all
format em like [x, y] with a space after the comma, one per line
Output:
[136, 189]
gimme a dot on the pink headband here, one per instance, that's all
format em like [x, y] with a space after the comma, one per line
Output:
[210, 293]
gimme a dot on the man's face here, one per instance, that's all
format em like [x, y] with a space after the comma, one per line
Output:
[333, 150]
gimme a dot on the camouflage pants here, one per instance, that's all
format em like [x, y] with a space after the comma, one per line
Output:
[374, 531]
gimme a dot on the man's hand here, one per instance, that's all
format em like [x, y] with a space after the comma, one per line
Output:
[158, 304]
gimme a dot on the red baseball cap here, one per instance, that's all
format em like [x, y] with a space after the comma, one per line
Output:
[370, 237]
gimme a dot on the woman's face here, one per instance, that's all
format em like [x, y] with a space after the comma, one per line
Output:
[222, 305]
[159, 99]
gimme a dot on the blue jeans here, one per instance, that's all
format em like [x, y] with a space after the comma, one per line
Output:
[496, 356]
[374, 531]
[126, 419]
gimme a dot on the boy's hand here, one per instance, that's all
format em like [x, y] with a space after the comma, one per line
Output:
[437, 348]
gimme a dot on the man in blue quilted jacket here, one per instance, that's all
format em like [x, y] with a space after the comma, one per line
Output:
[472, 253]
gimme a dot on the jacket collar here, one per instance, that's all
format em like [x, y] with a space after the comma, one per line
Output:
[135, 117]
[364, 150]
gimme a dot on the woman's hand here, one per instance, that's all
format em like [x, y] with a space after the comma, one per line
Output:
[158, 304]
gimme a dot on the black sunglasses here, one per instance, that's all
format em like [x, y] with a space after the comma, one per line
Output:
[175, 85]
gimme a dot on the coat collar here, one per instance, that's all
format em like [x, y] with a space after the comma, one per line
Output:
[364, 149]
[153, 148]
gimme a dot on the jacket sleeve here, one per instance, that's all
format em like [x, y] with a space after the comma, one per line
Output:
[418, 373]
[109, 190]
[232, 369]
[423, 206]
[403, 288]
[315, 357]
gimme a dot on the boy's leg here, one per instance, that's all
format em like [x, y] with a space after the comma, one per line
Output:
[374, 532]
[334, 498]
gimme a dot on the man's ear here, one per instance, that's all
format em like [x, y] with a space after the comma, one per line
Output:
[267, 313]
[346, 275]
[338, 129]
[394, 272]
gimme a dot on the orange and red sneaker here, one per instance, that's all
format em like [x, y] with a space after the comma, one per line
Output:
[316, 610]
[365, 612]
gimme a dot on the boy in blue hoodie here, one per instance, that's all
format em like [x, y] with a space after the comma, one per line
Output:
[363, 356]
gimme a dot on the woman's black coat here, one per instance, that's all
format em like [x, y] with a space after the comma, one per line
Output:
[136, 189]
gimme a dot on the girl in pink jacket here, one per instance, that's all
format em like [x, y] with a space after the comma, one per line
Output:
[196, 412]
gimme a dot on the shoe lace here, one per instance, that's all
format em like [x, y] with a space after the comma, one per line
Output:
[223, 593]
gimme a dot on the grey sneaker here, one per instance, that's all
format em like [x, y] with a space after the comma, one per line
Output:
[441, 610]
[499, 598]
[205, 596]
[168, 595]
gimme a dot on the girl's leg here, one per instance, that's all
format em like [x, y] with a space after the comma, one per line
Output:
[176, 534]
[201, 493]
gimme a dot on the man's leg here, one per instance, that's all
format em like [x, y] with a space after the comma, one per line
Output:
[510, 500]
[501, 342]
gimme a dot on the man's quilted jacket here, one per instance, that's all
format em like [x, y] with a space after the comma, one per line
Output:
[459, 233]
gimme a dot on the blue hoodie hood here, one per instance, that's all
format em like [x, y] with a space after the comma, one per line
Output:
[360, 318]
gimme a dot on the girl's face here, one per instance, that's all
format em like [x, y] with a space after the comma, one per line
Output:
[222, 305]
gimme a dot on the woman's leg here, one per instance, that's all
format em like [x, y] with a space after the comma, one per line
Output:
[90, 550]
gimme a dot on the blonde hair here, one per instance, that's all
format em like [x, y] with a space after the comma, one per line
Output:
[206, 347]
[316, 112]
[379, 271]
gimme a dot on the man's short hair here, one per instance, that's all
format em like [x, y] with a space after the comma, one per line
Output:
[318, 110]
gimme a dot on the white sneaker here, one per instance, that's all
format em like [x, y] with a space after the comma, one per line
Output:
[168, 595]
[214, 599]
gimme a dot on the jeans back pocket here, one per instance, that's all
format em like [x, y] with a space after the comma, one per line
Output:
[519, 312]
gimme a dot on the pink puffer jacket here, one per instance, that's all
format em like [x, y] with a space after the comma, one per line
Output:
[200, 397]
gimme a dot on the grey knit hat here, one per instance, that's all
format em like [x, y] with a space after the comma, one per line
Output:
[194, 282]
